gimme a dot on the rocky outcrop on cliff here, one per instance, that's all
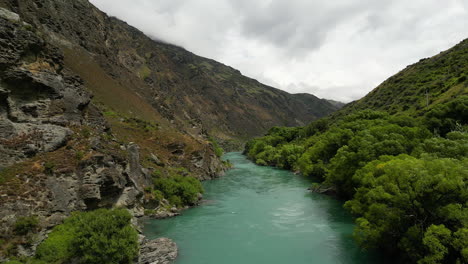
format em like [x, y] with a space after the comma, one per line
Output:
[92, 110]
[158, 251]
[52, 159]
[196, 94]
[59, 154]
[39, 100]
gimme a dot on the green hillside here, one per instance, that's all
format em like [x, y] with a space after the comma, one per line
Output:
[420, 86]
[398, 157]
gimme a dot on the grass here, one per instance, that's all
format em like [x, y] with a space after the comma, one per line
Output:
[442, 77]
[26, 177]
[106, 90]
[145, 72]
[207, 65]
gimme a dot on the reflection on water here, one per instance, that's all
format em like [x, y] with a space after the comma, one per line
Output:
[262, 215]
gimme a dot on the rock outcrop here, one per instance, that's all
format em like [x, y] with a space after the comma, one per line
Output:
[196, 94]
[158, 251]
[39, 100]
[59, 154]
[91, 110]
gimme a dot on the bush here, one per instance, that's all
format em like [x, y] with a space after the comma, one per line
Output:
[413, 204]
[97, 237]
[217, 149]
[79, 155]
[445, 118]
[27, 224]
[158, 195]
[179, 190]
[49, 167]
[176, 200]
[26, 261]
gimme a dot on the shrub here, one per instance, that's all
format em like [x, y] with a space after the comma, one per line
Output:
[179, 190]
[156, 174]
[86, 132]
[413, 204]
[217, 149]
[26, 261]
[176, 200]
[158, 195]
[49, 167]
[102, 236]
[79, 155]
[444, 118]
[462, 79]
[261, 162]
[110, 114]
[27, 224]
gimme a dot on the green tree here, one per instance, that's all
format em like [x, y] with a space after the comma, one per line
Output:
[179, 190]
[27, 224]
[444, 118]
[435, 241]
[401, 199]
[102, 236]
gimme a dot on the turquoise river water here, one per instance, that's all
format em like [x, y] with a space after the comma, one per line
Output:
[256, 215]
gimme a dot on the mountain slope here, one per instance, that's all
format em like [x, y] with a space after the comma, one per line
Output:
[196, 94]
[94, 114]
[399, 156]
[420, 86]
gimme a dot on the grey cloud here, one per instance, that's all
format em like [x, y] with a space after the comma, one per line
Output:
[335, 49]
[301, 24]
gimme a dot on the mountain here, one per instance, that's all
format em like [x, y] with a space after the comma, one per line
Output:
[420, 86]
[196, 94]
[94, 114]
[398, 157]
[336, 103]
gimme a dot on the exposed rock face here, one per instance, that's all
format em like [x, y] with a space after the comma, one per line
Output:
[57, 154]
[158, 251]
[197, 94]
[38, 99]
[41, 103]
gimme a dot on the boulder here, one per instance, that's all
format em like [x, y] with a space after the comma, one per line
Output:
[156, 160]
[158, 251]
[7, 14]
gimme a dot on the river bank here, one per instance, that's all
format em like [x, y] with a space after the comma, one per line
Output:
[261, 215]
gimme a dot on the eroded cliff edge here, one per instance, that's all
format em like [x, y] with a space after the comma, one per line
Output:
[197, 95]
[92, 111]
[58, 151]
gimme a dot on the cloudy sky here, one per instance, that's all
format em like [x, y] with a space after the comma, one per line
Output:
[334, 49]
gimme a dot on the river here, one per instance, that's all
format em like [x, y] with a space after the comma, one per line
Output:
[256, 215]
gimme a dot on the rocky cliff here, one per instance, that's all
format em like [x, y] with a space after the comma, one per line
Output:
[196, 94]
[59, 154]
[92, 111]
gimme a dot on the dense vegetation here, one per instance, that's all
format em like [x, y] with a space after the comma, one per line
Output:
[97, 237]
[175, 187]
[424, 84]
[179, 190]
[404, 178]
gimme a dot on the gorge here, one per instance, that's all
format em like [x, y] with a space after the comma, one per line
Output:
[102, 126]
[260, 214]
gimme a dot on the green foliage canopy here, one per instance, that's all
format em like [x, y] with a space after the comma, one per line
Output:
[97, 237]
[407, 186]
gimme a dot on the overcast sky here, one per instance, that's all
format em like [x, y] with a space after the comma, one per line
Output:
[333, 49]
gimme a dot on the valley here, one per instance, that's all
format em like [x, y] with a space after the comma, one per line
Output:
[118, 148]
